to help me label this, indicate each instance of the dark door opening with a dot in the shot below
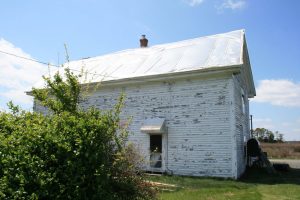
(156, 151)
(155, 143)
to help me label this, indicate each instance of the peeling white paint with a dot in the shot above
(202, 117)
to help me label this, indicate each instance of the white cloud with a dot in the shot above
(297, 130)
(233, 4)
(292, 135)
(286, 124)
(17, 96)
(1, 109)
(17, 75)
(278, 92)
(263, 123)
(194, 2)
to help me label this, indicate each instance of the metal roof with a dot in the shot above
(154, 125)
(215, 51)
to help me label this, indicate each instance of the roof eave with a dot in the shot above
(207, 72)
(249, 77)
(199, 73)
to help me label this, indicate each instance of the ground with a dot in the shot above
(256, 184)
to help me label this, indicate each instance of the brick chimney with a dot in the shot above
(143, 41)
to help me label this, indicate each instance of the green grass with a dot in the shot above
(256, 185)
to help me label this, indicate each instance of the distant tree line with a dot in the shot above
(265, 135)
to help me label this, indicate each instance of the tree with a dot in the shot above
(60, 96)
(265, 135)
(278, 136)
(68, 154)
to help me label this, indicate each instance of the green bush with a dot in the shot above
(69, 153)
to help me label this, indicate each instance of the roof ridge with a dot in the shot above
(159, 46)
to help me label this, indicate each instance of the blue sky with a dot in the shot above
(39, 29)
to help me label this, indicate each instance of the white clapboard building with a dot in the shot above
(187, 100)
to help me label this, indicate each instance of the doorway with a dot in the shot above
(156, 151)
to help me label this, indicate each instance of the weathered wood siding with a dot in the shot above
(197, 117)
(198, 113)
(37, 107)
(241, 125)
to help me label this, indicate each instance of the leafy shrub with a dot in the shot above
(68, 154)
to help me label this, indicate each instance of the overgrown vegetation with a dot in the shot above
(68, 154)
